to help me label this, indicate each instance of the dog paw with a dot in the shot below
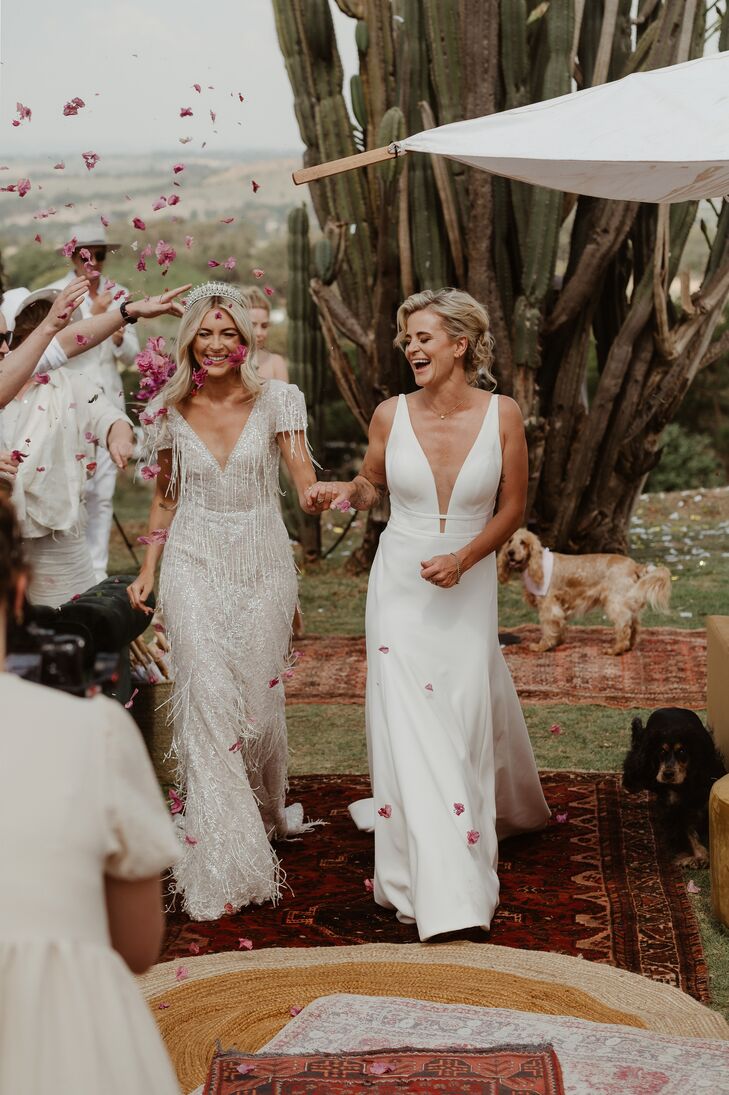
(693, 861)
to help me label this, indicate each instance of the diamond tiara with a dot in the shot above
(215, 289)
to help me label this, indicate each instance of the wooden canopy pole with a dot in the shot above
(335, 167)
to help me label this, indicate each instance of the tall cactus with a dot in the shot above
(307, 356)
(422, 224)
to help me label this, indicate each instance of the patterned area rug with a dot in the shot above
(667, 668)
(594, 884)
(503, 1070)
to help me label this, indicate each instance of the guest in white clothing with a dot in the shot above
(451, 764)
(51, 431)
(85, 838)
(101, 365)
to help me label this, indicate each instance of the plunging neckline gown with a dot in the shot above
(451, 763)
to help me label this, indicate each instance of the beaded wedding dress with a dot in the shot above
(451, 763)
(228, 591)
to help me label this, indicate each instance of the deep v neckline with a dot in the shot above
(443, 517)
(222, 468)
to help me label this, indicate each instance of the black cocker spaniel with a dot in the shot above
(675, 758)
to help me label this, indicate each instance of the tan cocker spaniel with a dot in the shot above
(561, 586)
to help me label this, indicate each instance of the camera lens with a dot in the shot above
(62, 663)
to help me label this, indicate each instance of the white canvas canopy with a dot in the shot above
(658, 136)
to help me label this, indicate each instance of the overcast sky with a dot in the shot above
(134, 62)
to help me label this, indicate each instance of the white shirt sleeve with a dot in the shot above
(53, 358)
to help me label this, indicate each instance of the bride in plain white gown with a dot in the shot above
(451, 763)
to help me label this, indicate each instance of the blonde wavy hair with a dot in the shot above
(254, 298)
(181, 383)
(462, 317)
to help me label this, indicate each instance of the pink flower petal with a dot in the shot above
(165, 253)
(91, 467)
(43, 378)
(561, 818)
(459, 808)
(37, 238)
(212, 116)
(198, 88)
(23, 187)
(245, 1070)
(212, 263)
(160, 203)
(189, 240)
(245, 944)
(176, 806)
(227, 220)
(236, 746)
(384, 649)
(555, 729)
(255, 186)
(228, 908)
(178, 167)
(150, 471)
(137, 222)
(90, 159)
(182, 973)
(369, 885)
(73, 106)
(59, 166)
(186, 112)
(194, 948)
(81, 340)
(162, 1006)
(343, 505)
(268, 290)
(380, 1068)
(130, 701)
(385, 811)
(258, 273)
(229, 263)
(691, 887)
(473, 836)
(273, 682)
(429, 687)
(191, 840)
(174, 199)
(156, 536)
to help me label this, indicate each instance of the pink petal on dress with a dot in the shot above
(384, 649)
(191, 840)
(176, 806)
(273, 682)
(473, 836)
(429, 687)
(459, 808)
(385, 811)
(150, 471)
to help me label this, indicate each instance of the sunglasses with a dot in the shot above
(98, 253)
(7, 338)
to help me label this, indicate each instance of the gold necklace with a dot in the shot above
(455, 408)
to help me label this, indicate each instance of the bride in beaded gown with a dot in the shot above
(451, 764)
(228, 591)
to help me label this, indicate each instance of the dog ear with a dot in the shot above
(503, 570)
(535, 570)
(635, 777)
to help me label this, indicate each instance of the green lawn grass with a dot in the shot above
(689, 532)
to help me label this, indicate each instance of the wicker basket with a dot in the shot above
(151, 711)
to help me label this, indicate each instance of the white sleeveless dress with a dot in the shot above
(451, 763)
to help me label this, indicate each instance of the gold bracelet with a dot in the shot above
(458, 564)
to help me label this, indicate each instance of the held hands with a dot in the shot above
(164, 304)
(139, 591)
(8, 466)
(324, 496)
(121, 443)
(441, 570)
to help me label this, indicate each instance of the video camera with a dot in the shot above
(79, 648)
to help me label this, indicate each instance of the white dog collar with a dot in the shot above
(547, 568)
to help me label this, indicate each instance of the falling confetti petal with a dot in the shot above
(385, 811)
(90, 159)
(73, 106)
(258, 273)
(429, 688)
(384, 649)
(130, 701)
(473, 836)
(268, 290)
(178, 167)
(256, 186)
(185, 112)
(138, 223)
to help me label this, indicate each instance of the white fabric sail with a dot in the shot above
(658, 136)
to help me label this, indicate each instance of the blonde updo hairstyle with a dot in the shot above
(181, 384)
(462, 317)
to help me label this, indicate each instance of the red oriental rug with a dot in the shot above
(503, 1070)
(595, 883)
(667, 668)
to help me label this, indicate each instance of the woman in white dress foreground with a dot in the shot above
(227, 592)
(451, 764)
(86, 835)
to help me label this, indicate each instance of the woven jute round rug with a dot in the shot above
(244, 999)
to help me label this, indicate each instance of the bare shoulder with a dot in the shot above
(510, 417)
(384, 413)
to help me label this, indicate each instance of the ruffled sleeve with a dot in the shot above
(141, 839)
